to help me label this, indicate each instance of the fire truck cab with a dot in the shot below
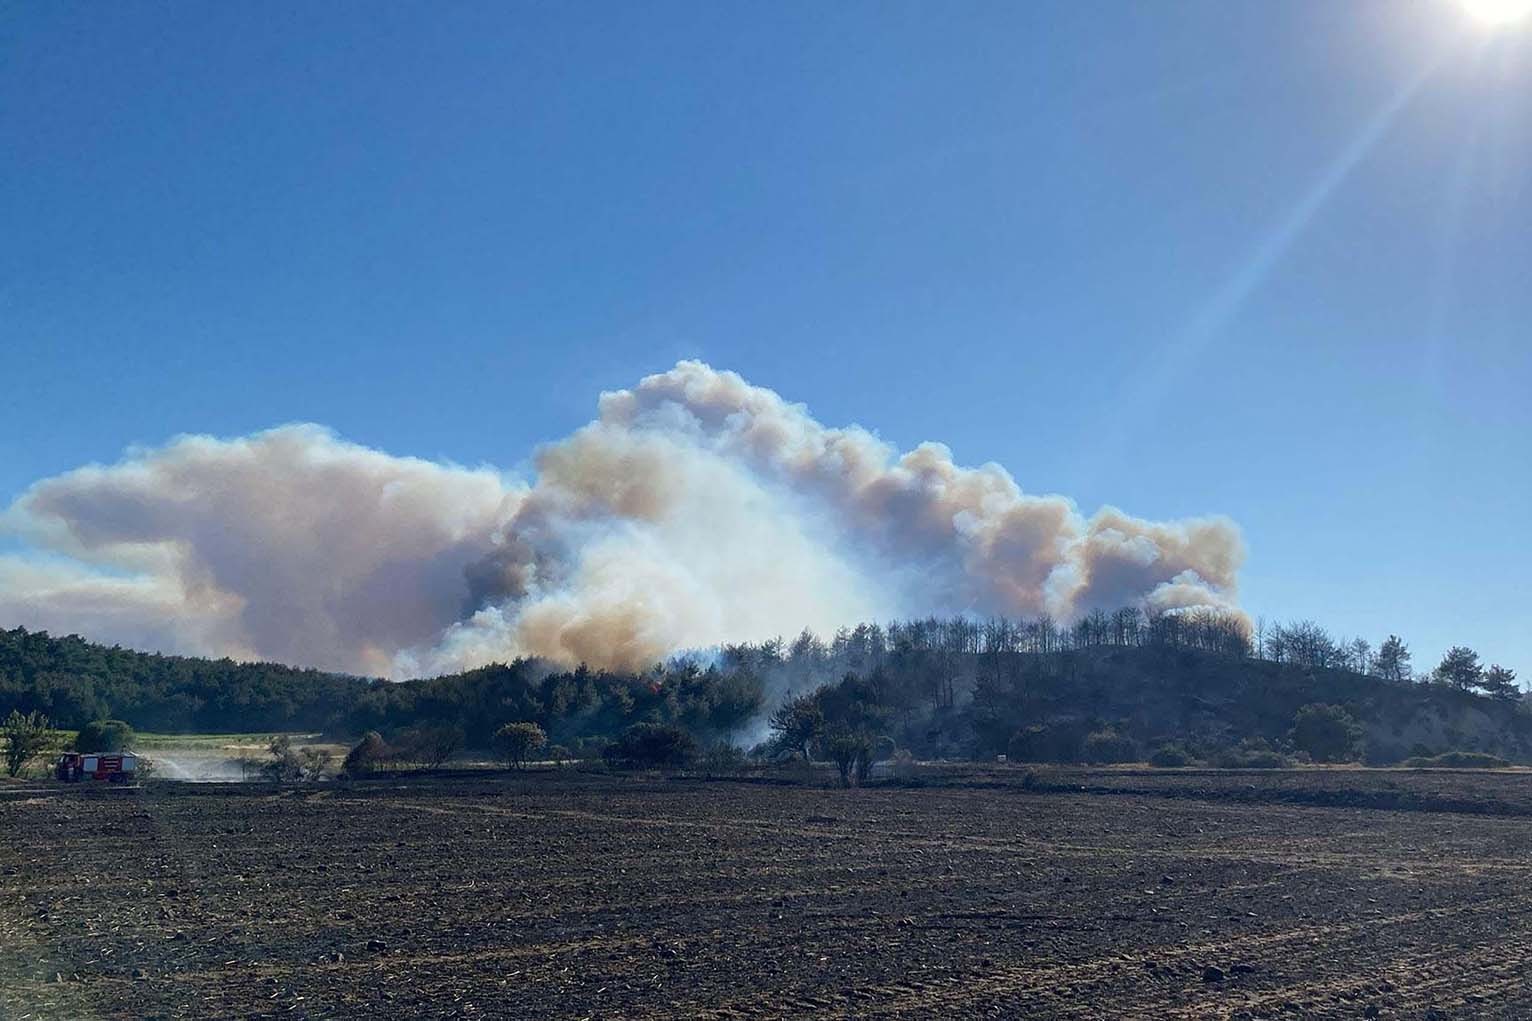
(113, 767)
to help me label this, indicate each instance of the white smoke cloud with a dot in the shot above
(290, 545)
(696, 509)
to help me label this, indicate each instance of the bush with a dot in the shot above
(294, 765)
(1251, 753)
(1456, 760)
(284, 766)
(796, 723)
(425, 746)
(103, 736)
(517, 741)
(649, 745)
(1108, 746)
(722, 759)
(316, 762)
(368, 754)
(851, 751)
(1171, 756)
(1327, 732)
(25, 736)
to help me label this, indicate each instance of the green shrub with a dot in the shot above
(25, 738)
(103, 736)
(369, 752)
(1109, 746)
(722, 759)
(850, 750)
(294, 765)
(1251, 753)
(516, 742)
(1327, 732)
(1171, 756)
(648, 745)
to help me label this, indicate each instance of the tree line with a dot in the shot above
(954, 687)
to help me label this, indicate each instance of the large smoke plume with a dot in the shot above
(696, 509)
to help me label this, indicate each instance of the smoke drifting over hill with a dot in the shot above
(695, 509)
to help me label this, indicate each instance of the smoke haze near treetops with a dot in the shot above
(695, 509)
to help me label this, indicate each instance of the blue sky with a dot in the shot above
(1270, 260)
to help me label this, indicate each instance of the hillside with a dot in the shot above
(73, 681)
(913, 684)
(1160, 694)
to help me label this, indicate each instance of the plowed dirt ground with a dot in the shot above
(1000, 893)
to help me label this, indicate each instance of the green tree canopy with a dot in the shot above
(1327, 732)
(25, 737)
(652, 745)
(1393, 660)
(517, 741)
(796, 723)
(1460, 668)
(1500, 682)
(104, 736)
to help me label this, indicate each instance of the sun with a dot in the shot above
(1498, 12)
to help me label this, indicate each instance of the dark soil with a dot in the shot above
(987, 893)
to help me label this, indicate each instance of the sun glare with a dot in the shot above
(1498, 12)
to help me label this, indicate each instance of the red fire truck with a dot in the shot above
(113, 767)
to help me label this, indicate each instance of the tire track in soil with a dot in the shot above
(1346, 962)
(896, 999)
(224, 978)
(947, 996)
(1403, 983)
(1010, 845)
(1399, 979)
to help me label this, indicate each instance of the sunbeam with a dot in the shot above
(1448, 243)
(1171, 362)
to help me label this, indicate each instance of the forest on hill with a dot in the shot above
(1111, 687)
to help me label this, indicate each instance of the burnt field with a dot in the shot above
(999, 893)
